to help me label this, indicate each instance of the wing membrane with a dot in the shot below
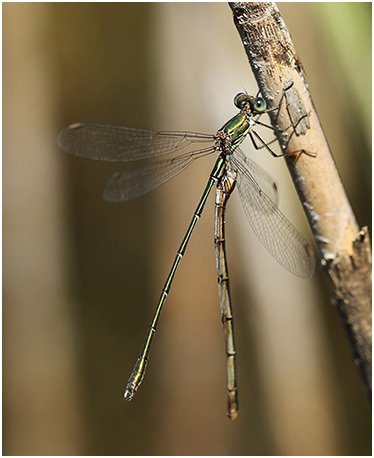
(263, 180)
(271, 227)
(136, 181)
(115, 143)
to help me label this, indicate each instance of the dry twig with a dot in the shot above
(343, 247)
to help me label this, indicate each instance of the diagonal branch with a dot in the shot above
(343, 247)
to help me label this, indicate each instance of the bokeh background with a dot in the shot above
(81, 277)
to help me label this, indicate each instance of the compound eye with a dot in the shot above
(259, 105)
(241, 100)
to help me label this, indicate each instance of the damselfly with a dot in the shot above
(257, 192)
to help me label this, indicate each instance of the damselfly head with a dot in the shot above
(256, 105)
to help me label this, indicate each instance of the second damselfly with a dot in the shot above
(232, 168)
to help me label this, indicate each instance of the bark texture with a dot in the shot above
(343, 247)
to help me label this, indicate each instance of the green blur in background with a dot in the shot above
(81, 277)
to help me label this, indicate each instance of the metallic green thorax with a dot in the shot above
(238, 128)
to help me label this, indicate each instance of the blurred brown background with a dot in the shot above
(82, 277)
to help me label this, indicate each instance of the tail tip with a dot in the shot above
(128, 395)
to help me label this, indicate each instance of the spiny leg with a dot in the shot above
(224, 188)
(266, 145)
(281, 131)
(277, 129)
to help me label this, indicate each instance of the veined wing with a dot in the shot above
(271, 227)
(115, 143)
(258, 174)
(138, 180)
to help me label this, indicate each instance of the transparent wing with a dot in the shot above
(263, 180)
(114, 143)
(136, 181)
(269, 224)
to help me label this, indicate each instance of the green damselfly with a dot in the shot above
(232, 168)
